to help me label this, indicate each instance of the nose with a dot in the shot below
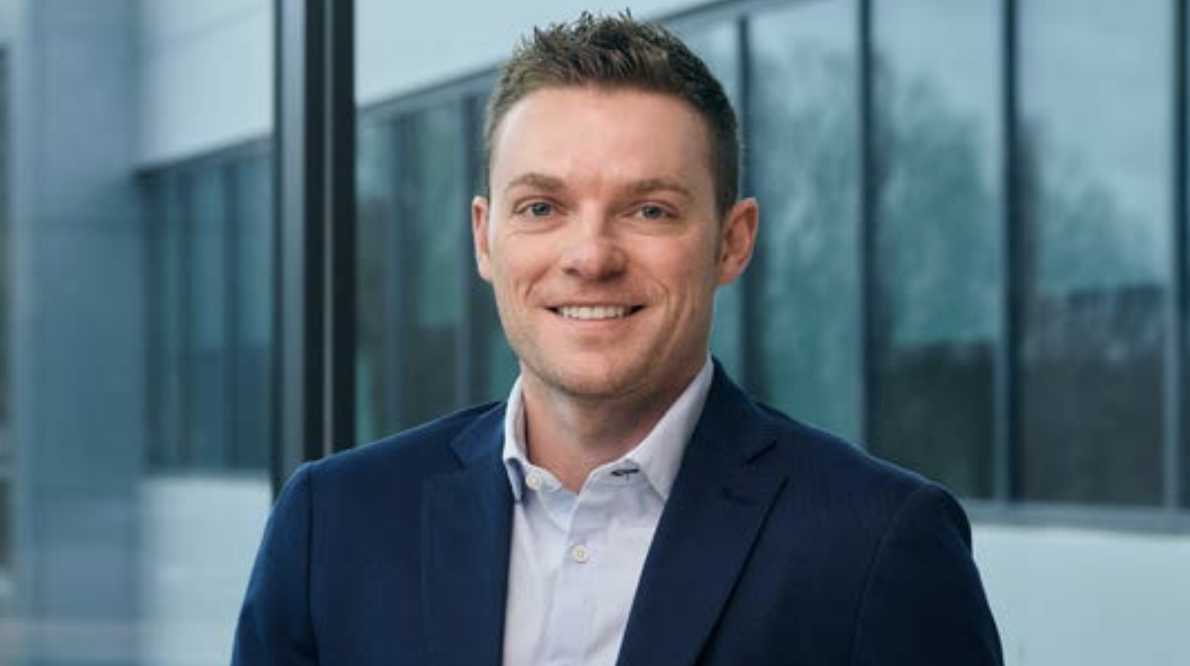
(594, 252)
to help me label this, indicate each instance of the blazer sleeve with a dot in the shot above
(274, 626)
(924, 603)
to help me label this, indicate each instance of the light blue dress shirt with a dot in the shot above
(576, 558)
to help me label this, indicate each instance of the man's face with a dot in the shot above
(602, 241)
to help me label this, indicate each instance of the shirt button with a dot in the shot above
(580, 554)
(533, 480)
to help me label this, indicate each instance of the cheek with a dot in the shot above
(515, 273)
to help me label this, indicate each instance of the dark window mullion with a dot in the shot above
(314, 131)
(869, 185)
(1006, 471)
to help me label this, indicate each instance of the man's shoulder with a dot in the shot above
(430, 448)
(834, 467)
(796, 449)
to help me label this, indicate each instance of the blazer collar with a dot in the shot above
(720, 501)
(466, 526)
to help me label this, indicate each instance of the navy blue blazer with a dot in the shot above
(779, 545)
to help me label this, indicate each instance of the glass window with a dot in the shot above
(210, 309)
(1095, 158)
(250, 361)
(415, 255)
(376, 283)
(937, 246)
(804, 146)
(206, 281)
(165, 265)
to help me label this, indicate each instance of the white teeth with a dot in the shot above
(593, 312)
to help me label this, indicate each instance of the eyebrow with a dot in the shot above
(536, 180)
(551, 184)
(661, 185)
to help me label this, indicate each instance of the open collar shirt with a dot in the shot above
(576, 557)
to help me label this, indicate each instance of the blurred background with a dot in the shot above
(234, 234)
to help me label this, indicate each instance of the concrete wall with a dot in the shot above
(77, 333)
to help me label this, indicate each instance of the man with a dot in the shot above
(628, 504)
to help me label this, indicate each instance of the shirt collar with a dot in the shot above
(658, 456)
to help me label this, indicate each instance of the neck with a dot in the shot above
(571, 435)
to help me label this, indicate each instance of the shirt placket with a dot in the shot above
(569, 629)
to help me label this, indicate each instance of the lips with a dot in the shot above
(595, 312)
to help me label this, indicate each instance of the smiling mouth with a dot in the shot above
(595, 312)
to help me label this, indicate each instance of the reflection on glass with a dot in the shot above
(718, 45)
(376, 283)
(252, 314)
(805, 156)
(437, 252)
(937, 241)
(1096, 155)
(413, 246)
(210, 294)
(206, 283)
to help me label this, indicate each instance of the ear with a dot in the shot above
(738, 239)
(480, 221)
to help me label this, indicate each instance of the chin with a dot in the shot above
(592, 381)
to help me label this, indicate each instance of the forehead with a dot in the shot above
(607, 134)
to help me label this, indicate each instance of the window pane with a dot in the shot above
(166, 380)
(805, 152)
(376, 279)
(252, 307)
(205, 285)
(1096, 144)
(436, 250)
(414, 242)
(938, 250)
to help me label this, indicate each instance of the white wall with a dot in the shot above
(199, 537)
(1077, 597)
(206, 75)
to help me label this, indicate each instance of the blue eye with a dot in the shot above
(539, 209)
(653, 212)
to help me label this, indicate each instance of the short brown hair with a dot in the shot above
(621, 52)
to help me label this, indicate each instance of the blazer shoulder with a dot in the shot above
(809, 447)
(866, 493)
(431, 448)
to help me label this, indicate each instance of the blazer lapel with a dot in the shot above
(718, 504)
(466, 525)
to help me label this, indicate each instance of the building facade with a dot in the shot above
(973, 262)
